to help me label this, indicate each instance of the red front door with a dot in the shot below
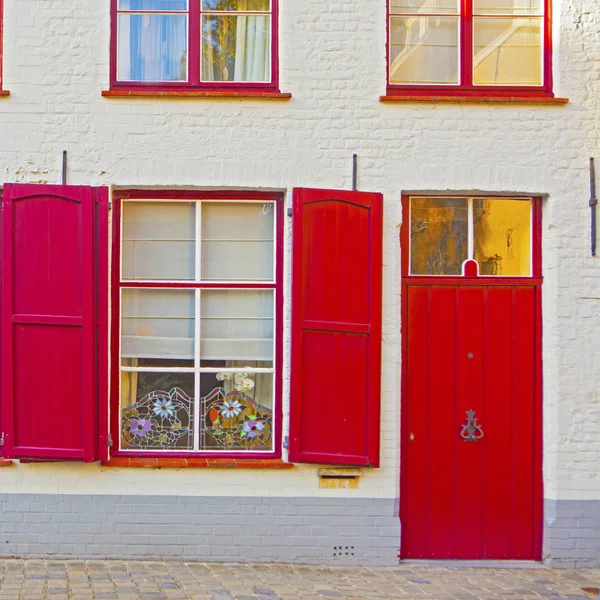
(471, 469)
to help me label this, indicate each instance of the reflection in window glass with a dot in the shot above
(236, 48)
(423, 50)
(237, 5)
(160, 5)
(502, 236)
(507, 7)
(507, 51)
(439, 235)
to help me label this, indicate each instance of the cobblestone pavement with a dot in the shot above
(129, 580)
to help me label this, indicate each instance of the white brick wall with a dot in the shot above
(333, 61)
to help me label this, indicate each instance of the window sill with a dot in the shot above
(4, 93)
(483, 99)
(202, 463)
(194, 94)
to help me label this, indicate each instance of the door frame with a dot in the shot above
(536, 279)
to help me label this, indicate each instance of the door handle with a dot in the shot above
(471, 431)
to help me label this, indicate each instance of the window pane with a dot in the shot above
(439, 235)
(508, 7)
(236, 325)
(502, 236)
(163, 5)
(159, 240)
(157, 411)
(424, 6)
(157, 363)
(248, 5)
(152, 47)
(157, 324)
(236, 48)
(237, 241)
(507, 51)
(237, 411)
(424, 50)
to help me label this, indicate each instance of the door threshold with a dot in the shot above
(473, 564)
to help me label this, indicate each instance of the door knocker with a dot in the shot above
(471, 431)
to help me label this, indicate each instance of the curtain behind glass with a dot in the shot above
(236, 47)
(152, 47)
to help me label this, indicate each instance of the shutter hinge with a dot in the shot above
(110, 206)
(110, 442)
(290, 211)
(2, 439)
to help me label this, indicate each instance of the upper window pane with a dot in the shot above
(161, 5)
(423, 6)
(424, 50)
(502, 236)
(159, 240)
(439, 235)
(152, 47)
(507, 51)
(237, 241)
(236, 48)
(239, 5)
(508, 7)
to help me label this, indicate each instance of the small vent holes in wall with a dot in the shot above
(343, 551)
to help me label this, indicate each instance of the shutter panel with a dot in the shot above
(102, 337)
(336, 327)
(49, 347)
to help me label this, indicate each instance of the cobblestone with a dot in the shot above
(129, 580)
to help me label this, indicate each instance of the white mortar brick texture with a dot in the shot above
(332, 58)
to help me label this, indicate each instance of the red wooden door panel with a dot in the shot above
(472, 347)
(49, 317)
(336, 327)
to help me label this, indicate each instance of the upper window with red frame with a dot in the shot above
(198, 293)
(225, 44)
(473, 46)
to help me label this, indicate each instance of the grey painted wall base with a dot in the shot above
(572, 533)
(288, 530)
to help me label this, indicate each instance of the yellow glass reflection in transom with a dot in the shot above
(502, 236)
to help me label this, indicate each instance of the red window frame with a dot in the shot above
(117, 284)
(465, 87)
(1, 42)
(194, 45)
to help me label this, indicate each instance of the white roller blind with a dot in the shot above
(157, 324)
(159, 240)
(236, 325)
(237, 241)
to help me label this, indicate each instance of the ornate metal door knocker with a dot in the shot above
(471, 431)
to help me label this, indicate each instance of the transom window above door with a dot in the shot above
(496, 232)
(228, 44)
(469, 46)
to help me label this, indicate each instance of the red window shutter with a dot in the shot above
(336, 327)
(51, 352)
